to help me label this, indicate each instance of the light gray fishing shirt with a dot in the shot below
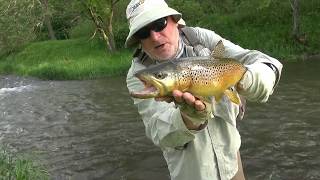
(210, 153)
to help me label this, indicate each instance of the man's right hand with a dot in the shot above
(194, 112)
(186, 97)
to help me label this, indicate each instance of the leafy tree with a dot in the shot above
(101, 13)
(18, 21)
(47, 18)
(58, 17)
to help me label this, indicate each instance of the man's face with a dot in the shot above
(162, 45)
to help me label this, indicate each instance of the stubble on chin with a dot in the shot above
(162, 58)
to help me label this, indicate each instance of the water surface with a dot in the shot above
(91, 130)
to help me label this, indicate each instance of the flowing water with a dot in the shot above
(91, 130)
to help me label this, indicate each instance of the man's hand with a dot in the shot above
(185, 97)
(193, 110)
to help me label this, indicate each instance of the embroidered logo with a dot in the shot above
(135, 6)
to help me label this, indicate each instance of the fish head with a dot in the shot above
(159, 81)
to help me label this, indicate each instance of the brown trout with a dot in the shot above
(207, 76)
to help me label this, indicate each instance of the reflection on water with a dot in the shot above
(90, 129)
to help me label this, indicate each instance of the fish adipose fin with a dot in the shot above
(218, 50)
(232, 96)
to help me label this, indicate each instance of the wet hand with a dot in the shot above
(180, 97)
(188, 98)
(194, 112)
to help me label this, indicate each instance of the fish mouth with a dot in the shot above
(149, 90)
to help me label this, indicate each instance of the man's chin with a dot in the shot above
(166, 57)
(163, 55)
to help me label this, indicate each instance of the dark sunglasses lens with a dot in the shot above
(143, 33)
(156, 26)
(159, 24)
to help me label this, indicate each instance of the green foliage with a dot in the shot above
(192, 11)
(120, 34)
(63, 17)
(102, 7)
(120, 25)
(263, 25)
(17, 22)
(84, 28)
(19, 168)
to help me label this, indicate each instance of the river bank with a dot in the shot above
(77, 59)
(72, 59)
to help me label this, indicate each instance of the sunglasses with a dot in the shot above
(156, 26)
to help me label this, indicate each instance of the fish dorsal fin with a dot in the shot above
(218, 50)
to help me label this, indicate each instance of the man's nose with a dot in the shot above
(154, 35)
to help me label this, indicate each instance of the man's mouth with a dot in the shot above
(159, 46)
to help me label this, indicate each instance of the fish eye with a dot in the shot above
(160, 75)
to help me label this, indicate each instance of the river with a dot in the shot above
(91, 130)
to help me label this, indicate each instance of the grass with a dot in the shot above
(19, 168)
(267, 29)
(66, 60)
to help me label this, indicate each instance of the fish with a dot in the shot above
(202, 76)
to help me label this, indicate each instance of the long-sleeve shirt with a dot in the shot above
(210, 153)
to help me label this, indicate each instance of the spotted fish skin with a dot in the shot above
(207, 76)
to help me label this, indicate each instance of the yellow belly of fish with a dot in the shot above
(216, 90)
(206, 90)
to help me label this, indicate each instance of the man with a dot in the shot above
(199, 140)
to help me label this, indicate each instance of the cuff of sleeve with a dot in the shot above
(246, 82)
(257, 83)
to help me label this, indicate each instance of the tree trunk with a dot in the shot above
(47, 20)
(51, 33)
(295, 17)
(296, 29)
(105, 30)
(109, 28)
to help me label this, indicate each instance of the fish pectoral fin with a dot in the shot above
(217, 97)
(232, 96)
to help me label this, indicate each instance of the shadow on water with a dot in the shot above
(91, 130)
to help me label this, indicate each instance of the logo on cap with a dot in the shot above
(135, 6)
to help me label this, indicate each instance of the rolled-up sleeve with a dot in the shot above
(162, 120)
